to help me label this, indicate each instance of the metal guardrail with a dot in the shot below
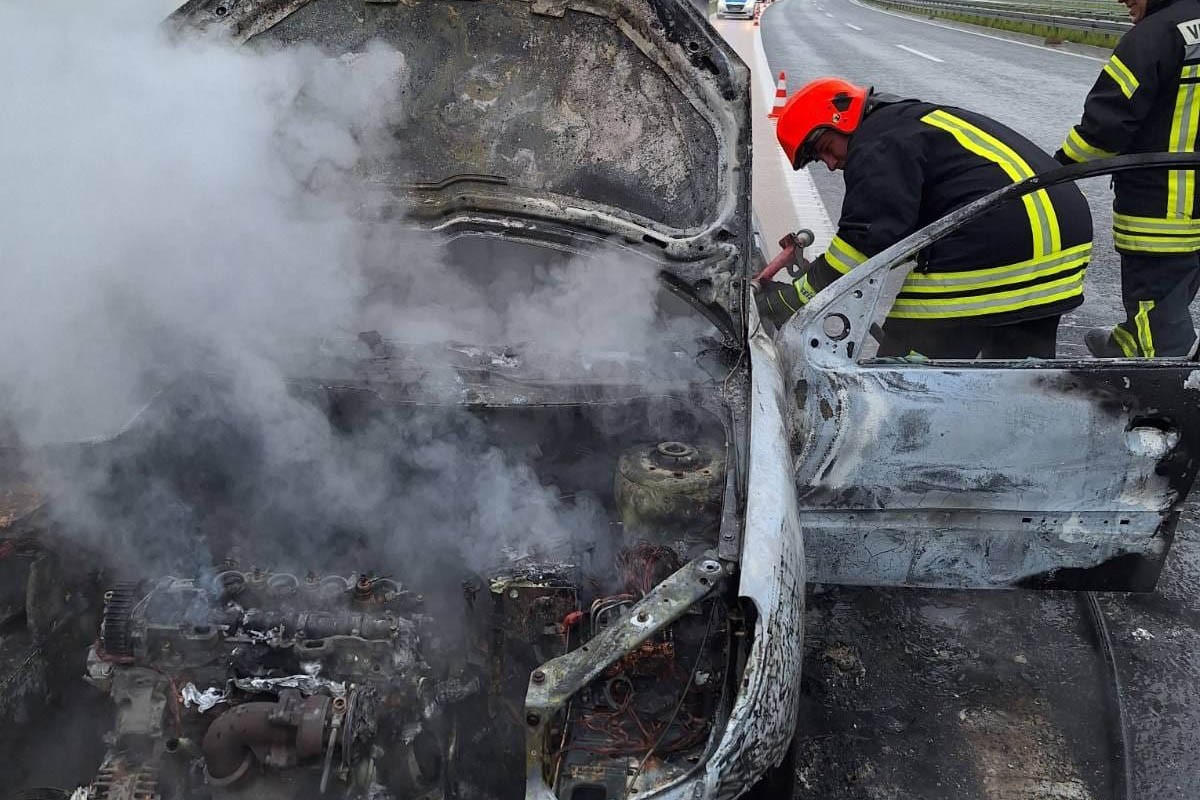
(998, 11)
(1075, 9)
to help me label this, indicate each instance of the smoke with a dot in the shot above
(176, 207)
(168, 201)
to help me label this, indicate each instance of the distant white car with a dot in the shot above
(736, 8)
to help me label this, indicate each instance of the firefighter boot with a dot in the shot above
(1157, 292)
(1103, 343)
(1100, 343)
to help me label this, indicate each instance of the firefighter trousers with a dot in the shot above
(1157, 291)
(1035, 338)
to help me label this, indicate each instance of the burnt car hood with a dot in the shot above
(623, 118)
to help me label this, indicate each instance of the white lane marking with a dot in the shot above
(829, 15)
(916, 52)
(977, 33)
(853, 27)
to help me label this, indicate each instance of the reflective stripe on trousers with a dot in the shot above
(1156, 292)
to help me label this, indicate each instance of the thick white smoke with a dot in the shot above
(167, 201)
(173, 206)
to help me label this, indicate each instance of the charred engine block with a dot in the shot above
(256, 684)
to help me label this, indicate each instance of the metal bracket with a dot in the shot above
(549, 8)
(554, 683)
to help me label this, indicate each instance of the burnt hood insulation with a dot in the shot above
(625, 118)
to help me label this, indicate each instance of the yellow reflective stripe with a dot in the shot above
(1078, 149)
(998, 303)
(1043, 220)
(1190, 71)
(804, 290)
(783, 299)
(997, 276)
(1127, 82)
(1054, 267)
(1125, 341)
(843, 256)
(1142, 319)
(1179, 227)
(1181, 184)
(1054, 242)
(1157, 244)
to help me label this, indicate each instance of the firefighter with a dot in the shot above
(1146, 100)
(994, 288)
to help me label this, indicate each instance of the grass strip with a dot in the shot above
(1052, 34)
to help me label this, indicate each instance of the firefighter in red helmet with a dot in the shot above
(994, 288)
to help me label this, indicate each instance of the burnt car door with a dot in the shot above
(976, 474)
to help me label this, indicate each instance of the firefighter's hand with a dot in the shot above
(776, 302)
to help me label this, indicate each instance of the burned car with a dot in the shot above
(451, 568)
(471, 570)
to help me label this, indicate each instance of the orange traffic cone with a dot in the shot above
(757, 13)
(780, 96)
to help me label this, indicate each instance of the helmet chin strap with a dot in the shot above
(878, 99)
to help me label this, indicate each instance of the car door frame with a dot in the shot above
(1065, 473)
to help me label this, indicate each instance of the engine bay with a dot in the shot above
(404, 455)
(405, 666)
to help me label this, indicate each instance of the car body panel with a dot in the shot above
(978, 474)
(625, 117)
(773, 578)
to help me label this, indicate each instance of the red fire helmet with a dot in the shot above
(826, 103)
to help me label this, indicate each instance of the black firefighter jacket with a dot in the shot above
(911, 163)
(1146, 100)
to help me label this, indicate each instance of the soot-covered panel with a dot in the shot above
(568, 105)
